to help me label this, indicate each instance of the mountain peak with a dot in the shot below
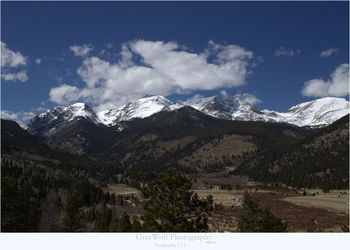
(60, 115)
(79, 105)
(157, 98)
(140, 108)
(81, 110)
(225, 107)
(319, 112)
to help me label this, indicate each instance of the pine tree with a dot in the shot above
(256, 219)
(72, 216)
(20, 211)
(112, 201)
(114, 226)
(136, 225)
(125, 223)
(172, 207)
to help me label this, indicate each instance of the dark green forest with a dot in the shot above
(318, 161)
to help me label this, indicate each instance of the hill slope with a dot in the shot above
(192, 141)
(321, 160)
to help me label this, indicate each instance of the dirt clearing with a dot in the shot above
(121, 189)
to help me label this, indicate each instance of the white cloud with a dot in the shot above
(337, 85)
(223, 92)
(21, 117)
(64, 94)
(20, 76)
(151, 68)
(82, 50)
(328, 52)
(38, 61)
(11, 60)
(249, 98)
(286, 52)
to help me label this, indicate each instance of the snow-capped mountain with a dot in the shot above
(319, 112)
(138, 109)
(229, 108)
(316, 113)
(49, 121)
(70, 113)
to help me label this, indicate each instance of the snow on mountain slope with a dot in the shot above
(49, 121)
(319, 112)
(138, 109)
(70, 113)
(229, 107)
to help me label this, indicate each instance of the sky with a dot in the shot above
(271, 54)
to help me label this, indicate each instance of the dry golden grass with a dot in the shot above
(121, 189)
(224, 197)
(219, 149)
(333, 200)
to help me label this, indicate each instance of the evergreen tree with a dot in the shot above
(172, 207)
(20, 211)
(114, 226)
(112, 201)
(125, 223)
(256, 219)
(136, 225)
(72, 216)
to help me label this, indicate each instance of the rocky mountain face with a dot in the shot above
(74, 127)
(56, 119)
(229, 108)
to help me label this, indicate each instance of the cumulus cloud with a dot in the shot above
(286, 52)
(10, 60)
(337, 85)
(81, 50)
(249, 98)
(21, 117)
(328, 52)
(38, 61)
(164, 68)
(64, 94)
(18, 76)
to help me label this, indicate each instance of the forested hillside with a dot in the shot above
(320, 160)
(43, 190)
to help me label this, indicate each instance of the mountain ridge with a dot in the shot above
(317, 113)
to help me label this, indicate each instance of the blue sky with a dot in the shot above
(268, 51)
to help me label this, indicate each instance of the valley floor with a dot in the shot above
(300, 218)
(335, 200)
(320, 213)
